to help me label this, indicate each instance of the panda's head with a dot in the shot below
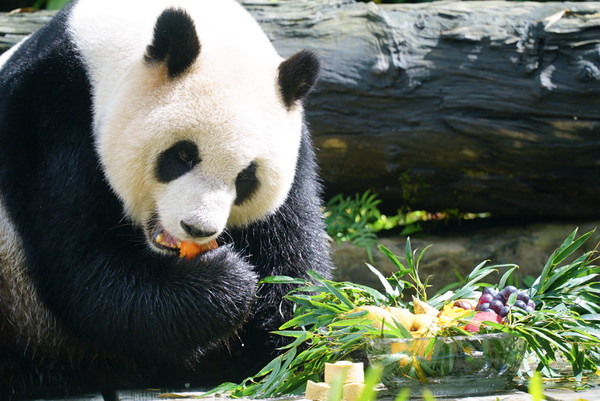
(197, 119)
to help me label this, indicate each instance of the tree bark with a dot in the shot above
(477, 106)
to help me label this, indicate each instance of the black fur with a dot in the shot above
(175, 41)
(246, 183)
(176, 161)
(129, 317)
(297, 76)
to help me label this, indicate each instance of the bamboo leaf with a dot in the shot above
(391, 257)
(282, 280)
(566, 251)
(372, 377)
(386, 285)
(409, 256)
(505, 276)
(299, 340)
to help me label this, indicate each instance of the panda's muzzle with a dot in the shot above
(195, 232)
(168, 243)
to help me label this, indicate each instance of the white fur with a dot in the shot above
(228, 103)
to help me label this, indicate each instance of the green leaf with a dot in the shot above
(590, 317)
(348, 322)
(403, 395)
(299, 340)
(302, 320)
(392, 258)
(283, 280)
(577, 281)
(372, 377)
(536, 388)
(377, 296)
(339, 295)
(336, 388)
(409, 256)
(566, 249)
(505, 276)
(386, 285)
(317, 305)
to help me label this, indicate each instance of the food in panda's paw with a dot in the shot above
(190, 250)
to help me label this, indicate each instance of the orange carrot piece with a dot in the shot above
(190, 250)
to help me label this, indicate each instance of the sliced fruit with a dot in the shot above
(350, 371)
(423, 308)
(474, 325)
(424, 326)
(403, 316)
(378, 316)
(465, 304)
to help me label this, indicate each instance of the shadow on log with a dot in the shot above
(478, 106)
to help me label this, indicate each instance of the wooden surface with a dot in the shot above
(480, 106)
(551, 395)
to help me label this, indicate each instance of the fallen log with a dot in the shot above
(477, 106)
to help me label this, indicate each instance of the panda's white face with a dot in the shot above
(190, 150)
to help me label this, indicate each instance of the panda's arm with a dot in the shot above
(140, 307)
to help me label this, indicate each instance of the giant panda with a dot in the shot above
(126, 128)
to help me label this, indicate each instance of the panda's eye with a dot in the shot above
(176, 161)
(246, 184)
(185, 157)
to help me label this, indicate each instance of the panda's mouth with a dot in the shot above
(166, 242)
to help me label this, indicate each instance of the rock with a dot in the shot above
(527, 245)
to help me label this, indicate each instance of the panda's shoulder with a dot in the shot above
(39, 51)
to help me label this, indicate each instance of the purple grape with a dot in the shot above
(499, 297)
(522, 296)
(504, 311)
(485, 305)
(496, 305)
(520, 304)
(529, 309)
(508, 291)
(531, 304)
(486, 298)
(485, 310)
(489, 290)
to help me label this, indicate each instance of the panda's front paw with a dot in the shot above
(222, 285)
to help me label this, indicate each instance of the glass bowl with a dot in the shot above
(448, 366)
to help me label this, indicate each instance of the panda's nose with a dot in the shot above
(195, 231)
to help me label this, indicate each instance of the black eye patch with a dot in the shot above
(246, 184)
(176, 161)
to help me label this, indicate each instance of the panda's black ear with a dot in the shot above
(297, 76)
(175, 41)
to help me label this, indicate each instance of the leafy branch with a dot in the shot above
(330, 320)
